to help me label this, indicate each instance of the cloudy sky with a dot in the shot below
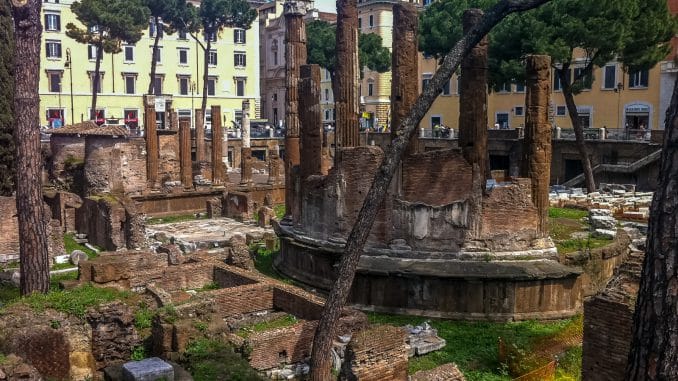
(326, 5)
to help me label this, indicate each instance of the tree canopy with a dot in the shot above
(7, 171)
(321, 42)
(107, 24)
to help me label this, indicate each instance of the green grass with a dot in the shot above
(281, 322)
(170, 219)
(473, 346)
(279, 211)
(10, 293)
(209, 286)
(70, 245)
(569, 213)
(73, 302)
(214, 360)
(569, 365)
(581, 244)
(263, 261)
(143, 317)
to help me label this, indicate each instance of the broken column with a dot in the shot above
(199, 136)
(246, 151)
(473, 118)
(185, 153)
(310, 121)
(404, 87)
(536, 161)
(275, 174)
(295, 56)
(151, 145)
(346, 96)
(217, 148)
(174, 120)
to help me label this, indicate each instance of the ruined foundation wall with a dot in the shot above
(103, 220)
(436, 178)
(169, 162)
(65, 149)
(377, 354)
(9, 230)
(432, 228)
(285, 345)
(115, 166)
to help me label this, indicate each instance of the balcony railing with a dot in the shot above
(623, 134)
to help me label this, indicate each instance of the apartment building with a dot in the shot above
(67, 73)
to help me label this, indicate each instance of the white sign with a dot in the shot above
(159, 104)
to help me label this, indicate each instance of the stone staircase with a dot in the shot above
(617, 168)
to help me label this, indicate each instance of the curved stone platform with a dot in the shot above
(470, 289)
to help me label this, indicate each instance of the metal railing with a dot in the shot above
(623, 134)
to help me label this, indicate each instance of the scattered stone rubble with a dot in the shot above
(602, 223)
(423, 339)
(622, 200)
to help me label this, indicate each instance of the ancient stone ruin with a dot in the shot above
(449, 240)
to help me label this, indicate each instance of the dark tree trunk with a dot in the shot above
(156, 41)
(205, 76)
(321, 362)
(578, 129)
(34, 259)
(654, 347)
(96, 81)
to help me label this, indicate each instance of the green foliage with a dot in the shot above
(168, 313)
(55, 324)
(214, 360)
(281, 322)
(321, 42)
(569, 365)
(263, 262)
(200, 326)
(279, 211)
(581, 244)
(7, 170)
(139, 353)
(569, 213)
(70, 245)
(73, 302)
(440, 24)
(143, 317)
(208, 287)
(474, 346)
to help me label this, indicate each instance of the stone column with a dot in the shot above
(536, 160)
(246, 150)
(185, 153)
(217, 148)
(346, 85)
(405, 82)
(199, 136)
(295, 56)
(152, 153)
(274, 172)
(175, 120)
(311, 122)
(473, 120)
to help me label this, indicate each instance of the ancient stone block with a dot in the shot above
(152, 369)
(239, 253)
(113, 333)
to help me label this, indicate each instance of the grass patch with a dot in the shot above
(171, 219)
(73, 302)
(281, 322)
(569, 213)
(263, 261)
(143, 318)
(209, 286)
(214, 360)
(279, 211)
(474, 346)
(569, 365)
(10, 293)
(581, 244)
(70, 244)
(63, 266)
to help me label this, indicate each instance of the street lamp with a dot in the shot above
(618, 90)
(69, 65)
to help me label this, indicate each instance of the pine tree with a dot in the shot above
(7, 170)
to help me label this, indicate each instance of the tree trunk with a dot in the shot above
(578, 130)
(654, 347)
(96, 82)
(205, 76)
(156, 41)
(321, 361)
(34, 259)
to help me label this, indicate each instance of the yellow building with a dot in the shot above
(67, 69)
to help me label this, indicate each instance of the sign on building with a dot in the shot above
(159, 104)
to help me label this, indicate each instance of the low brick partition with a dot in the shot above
(446, 372)
(376, 354)
(227, 302)
(281, 346)
(297, 302)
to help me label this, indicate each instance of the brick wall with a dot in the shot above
(226, 279)
(436, 178)
(297, 302)
(284, 345)
(65, 148)
(607, 339)
(102, 219)
(375, 354)
(168, 165)
(9, 229)
(230, 301)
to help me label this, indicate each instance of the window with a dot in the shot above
(53, 49)
(157, 84)
(426, 78)
(275, 97)
(502, 119)
(91, 52)
(519, 110)
(427, 2)
(157, 54)
(239, 36)
(585, 78)
(503, 87)
(129, 54)
(239, 59)
(210, 36)
(371, 21)
(131, 117)
(327, 74)
(561, 111)
(446, 88)
(94, 29)
(99, 115)
(212, 58)
(183, 35)
(52, 22)
(130, 83)
(610, 74)
(275, 58)
(557, 85)
(211, 86)
(327, 94)
(184, 85)
(92, 78)
(638, 78)
(360, 22)
(54, 79)
(183, 56)
(55, 117)
(520, 87)
(152, 28)
(584, 116)
(240, 87)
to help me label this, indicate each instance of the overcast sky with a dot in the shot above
(326, 5)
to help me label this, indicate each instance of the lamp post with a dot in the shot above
(618, 90)
(69, 65)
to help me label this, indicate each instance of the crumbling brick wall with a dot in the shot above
(281, 346)
(9, 230)
(436, 178)
(427, 227)
(66, 150)
(375, 354)
(230, 301)
(102, 218)
(297, 302)
(114, 165)
(169, 166)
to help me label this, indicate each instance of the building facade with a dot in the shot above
(67, 70)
